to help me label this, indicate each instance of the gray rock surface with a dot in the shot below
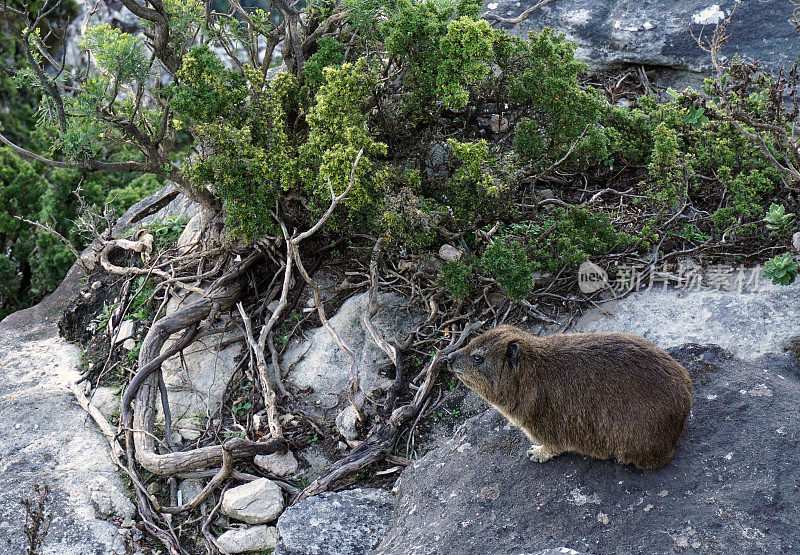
(657, 32)
(256, 502)
(189, 489)
(345, 523)
(106, 401)
(196, 381)
(325, 368)
(45, 438)
(277, 464)
(747, 324)
(109, 500)
(252, 538)
(733, 486)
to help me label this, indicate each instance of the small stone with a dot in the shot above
(129, 344)
(97, 285)
(189, 434)
(341, 446)
(648, 508)
(796, 241)
(273, 306)
(603, 518)
(347, 423)
(450, 253)
(252, 538)
(546, 193)
(663, 493)
(126, 330)
(499, 123)
(682, 542)
(280, 465)
(128, 523)
(108, 499)
(105, 401)
(257, 502)
(311, 303)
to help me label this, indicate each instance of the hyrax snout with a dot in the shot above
(600, 394)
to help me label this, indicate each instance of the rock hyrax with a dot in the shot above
(604, 395)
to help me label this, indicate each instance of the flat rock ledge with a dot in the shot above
(348, 522)
(733, 486)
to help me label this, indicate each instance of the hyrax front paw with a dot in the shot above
(538, 453)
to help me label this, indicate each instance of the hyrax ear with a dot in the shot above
(512, 353)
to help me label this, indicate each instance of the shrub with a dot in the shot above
(508, 263)
(457, 278)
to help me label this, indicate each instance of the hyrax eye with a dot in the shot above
(477, 359)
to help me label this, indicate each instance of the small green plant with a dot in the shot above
(781, 269)
(167, 232)
(100, 321)
(693, 233)
(240, 408)
(777, 220)
(695, 116)
(456, 277)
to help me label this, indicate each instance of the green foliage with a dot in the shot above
(120, 54)
(241, 408)
(167, 232)
(337, 132)
(330, 52)
(669, 168)
(17, 101)
(542, 74)
(778, 221)
(410, 221)
(141, 306)
(446, 48)
(207, 91)
(508, 263)
(125, 196)
(20, 191)
(457, 278)
(781, 269)
(564, 238)
(474, 191)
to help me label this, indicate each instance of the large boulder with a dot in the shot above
(749, 324)
(319, 364)
(197, 378)
(348, 522)
(659, 32)
(733, 486)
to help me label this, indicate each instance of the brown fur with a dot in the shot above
(604, 395)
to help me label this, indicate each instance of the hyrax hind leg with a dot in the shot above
(541, 453)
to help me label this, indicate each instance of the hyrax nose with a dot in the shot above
(451, 358)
